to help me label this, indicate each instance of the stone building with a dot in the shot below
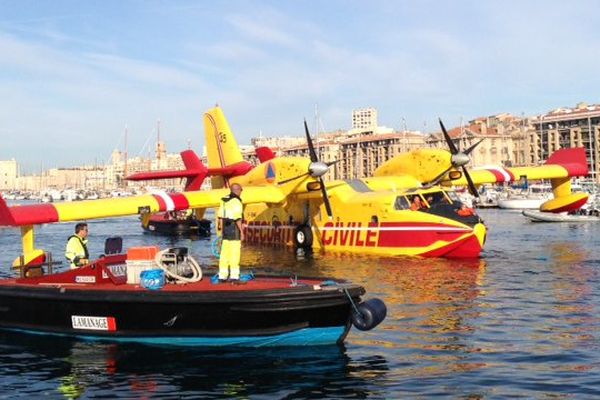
(9, 171)
(568, 127)
(498, 135)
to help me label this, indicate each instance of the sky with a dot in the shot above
(74, 75)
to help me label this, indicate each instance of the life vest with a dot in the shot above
(230, 211)
(465, 212)
(76, 250)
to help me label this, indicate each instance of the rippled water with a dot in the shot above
(522, 321)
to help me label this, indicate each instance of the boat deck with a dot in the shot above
(204, 285)
(110, 273)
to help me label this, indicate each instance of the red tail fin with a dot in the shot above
(574, 160)
(264, 154)
(6, 218)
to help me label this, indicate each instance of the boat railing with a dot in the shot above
(36, 269)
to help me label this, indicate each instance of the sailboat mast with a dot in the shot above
(125, 161)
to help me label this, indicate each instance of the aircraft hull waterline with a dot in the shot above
(266, 311)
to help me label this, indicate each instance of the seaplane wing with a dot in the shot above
(564, 163)
(33, 214)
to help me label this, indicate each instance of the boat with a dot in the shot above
(111, 300)
(541, 216)
(174, 224)
(531, 198)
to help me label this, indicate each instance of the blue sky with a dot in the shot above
(73, 74)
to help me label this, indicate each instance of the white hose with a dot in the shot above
(196, 270)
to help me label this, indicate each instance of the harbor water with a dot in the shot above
(522, 321)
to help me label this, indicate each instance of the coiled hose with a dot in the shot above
(196, 269)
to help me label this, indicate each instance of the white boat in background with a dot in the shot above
(529, 199)
(541, 216)
(488, 198)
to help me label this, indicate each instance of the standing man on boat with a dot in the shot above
(77, 251)
(229, 223)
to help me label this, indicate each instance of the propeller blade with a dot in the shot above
(311, 148)
(472, 188)
(325, 198)
(472, 147)
(451, 145)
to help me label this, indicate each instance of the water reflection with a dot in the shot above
(80, 367)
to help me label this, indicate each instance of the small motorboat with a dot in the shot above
(163, 299)
(174, 224)
(541, 216)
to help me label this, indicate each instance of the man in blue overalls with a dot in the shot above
(230, 216)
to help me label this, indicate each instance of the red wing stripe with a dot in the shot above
(34, 214)
(162, 206)
(501, 174)
(181, 202)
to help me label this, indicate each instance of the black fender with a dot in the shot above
(370, 314)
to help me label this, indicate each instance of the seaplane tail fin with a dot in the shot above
(6, 217)
(221, 145)
(264, 154)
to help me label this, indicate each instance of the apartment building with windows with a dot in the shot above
(568, 127)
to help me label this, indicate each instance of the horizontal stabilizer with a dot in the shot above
(194, 172)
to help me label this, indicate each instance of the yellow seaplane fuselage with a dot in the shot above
(370, 216)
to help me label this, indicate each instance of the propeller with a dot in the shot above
(316, 169)
(460, 159)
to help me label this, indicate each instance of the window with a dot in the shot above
(401, 203)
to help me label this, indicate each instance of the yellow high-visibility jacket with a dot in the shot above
(76, 250)
(230, 211)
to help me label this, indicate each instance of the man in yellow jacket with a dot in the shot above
(77, 251)
(229, 223)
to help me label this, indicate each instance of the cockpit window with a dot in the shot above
(453, 196)
(435, 198)
(401, 203)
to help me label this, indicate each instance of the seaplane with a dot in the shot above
(287, 201)
(372, 215)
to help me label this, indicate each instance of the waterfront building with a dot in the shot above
(499, 134)
(364, 119)
(361, 154)
(357, 154)
(9, 171)
(568, 127)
